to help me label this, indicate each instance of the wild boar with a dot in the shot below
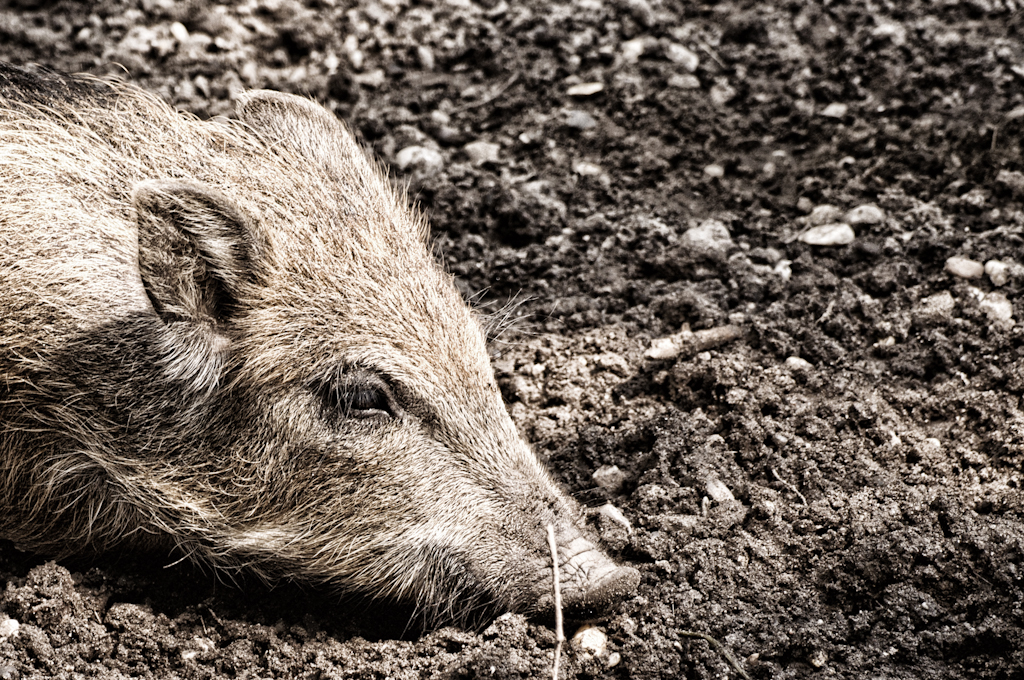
(229, 340)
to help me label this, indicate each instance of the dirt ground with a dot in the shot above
(730, 228)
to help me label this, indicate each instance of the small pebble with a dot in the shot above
(633, 49)
(587, 169)
(718, 491)
(372, 79)
(998, 309)
(481, 152)
(682, 56)
(420, 158)
(798, 364)
(641, 11)
(804, 204)
(824, 214)
(834, 110)
(998, 272)
(691, 343)
(179, 32)
(714, 170)
(581, 120)
(891, 30)
(709, 235)
(8, 628)
(426, 57)
(613, 513)
(684, 81)
(614, 659)
(1013, 179)
(609, 477)
(835, 234)
(868, 213)
(584, 89)
(590, 640)
(965, 268)
(936, 307)
(722, 92)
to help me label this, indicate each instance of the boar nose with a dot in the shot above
(609, 586)
(590, 581)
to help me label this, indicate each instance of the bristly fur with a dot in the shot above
(505, 319)
(172, 291)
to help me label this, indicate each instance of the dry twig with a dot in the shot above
(559, 632)
(720, 648)
(490, 97)
(788, 485)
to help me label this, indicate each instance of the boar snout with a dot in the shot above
(590, 581)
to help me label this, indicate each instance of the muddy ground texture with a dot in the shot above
(730, 226)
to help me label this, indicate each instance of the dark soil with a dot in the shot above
(836, 492)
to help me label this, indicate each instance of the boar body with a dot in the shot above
(228, 339)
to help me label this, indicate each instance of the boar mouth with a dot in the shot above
(452, 591)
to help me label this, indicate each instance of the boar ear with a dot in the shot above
(196, 249)
(300, 124)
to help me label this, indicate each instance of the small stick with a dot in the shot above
(489, 98)
(559, 632)
(788, 485)
(720, 648)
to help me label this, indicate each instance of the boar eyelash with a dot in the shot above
(357, 393)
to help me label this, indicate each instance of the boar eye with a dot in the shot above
(357, 393)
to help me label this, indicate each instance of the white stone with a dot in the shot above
(998, 272)
(590, 640)
(869, 213)
(708, 235)
(936, 307)
(998, 309)
(633, 49)
(668, 347)
(609, 477)
(581, 120)
(587, 169)
(9, 628)
(718, 491)
(584, 89)
(426, 57)
(798, 364)
(721, 92)
(1013, 179)
(835, 110)
(965, 268)
(420, 158)
(834, 234)
(714, 170)
(684, 81)
(481, 152)
(613, 513)
(891, 30)
(179, 32)
(682, 56)
(823, 214)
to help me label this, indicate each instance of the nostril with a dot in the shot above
(604, 590)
